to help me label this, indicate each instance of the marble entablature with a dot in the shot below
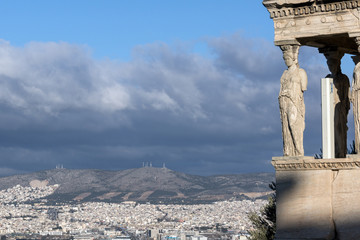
(316, 23)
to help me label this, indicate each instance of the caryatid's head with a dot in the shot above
(357, 41)
(290, 54)
(333, 59)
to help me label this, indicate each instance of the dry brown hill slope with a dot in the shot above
(144, 184)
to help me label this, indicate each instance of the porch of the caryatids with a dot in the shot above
(341, 99)
(291, 102)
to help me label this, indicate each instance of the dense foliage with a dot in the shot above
(265, 223)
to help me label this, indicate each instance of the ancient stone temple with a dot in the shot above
(317, 198)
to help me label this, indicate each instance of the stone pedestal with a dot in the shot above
(317, 198)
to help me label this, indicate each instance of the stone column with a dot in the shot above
(291, 101)
(341, 99)
(355, 96)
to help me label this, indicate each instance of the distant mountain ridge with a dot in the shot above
(143, 184)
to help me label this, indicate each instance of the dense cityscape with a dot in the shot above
(25, 214)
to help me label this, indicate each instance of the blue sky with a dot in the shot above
(113, 84)
(112, 28)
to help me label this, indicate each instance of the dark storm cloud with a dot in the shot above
(198, 115)
(254, 59)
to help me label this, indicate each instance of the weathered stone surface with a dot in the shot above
(341, 100)
(291, 101)
(303, 205)
(292, 158)
(318, 198)
(355, 99)
(346, 204)
(309, 163)
(307, 22)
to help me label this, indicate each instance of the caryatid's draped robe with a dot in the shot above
(355, 99)
(342, 106)
(292, 109)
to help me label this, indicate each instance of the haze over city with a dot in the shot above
(113, 84)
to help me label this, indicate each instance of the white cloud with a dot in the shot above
(114, 98)
(55, 95)
(160, 100)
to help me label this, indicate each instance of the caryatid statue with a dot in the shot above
(355, 97)
(291, 101)
(341, 101)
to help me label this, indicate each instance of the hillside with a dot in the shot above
(142, 185)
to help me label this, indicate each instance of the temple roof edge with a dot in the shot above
(298, 8)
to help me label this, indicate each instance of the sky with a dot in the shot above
(113, 84)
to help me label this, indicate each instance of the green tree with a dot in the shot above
(265, 223)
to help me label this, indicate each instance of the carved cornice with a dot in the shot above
(295, 11)
(288, 164)
(315, 166)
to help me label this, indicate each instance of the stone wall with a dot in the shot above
(317, 198)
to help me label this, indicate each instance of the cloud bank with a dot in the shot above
(169, 105)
